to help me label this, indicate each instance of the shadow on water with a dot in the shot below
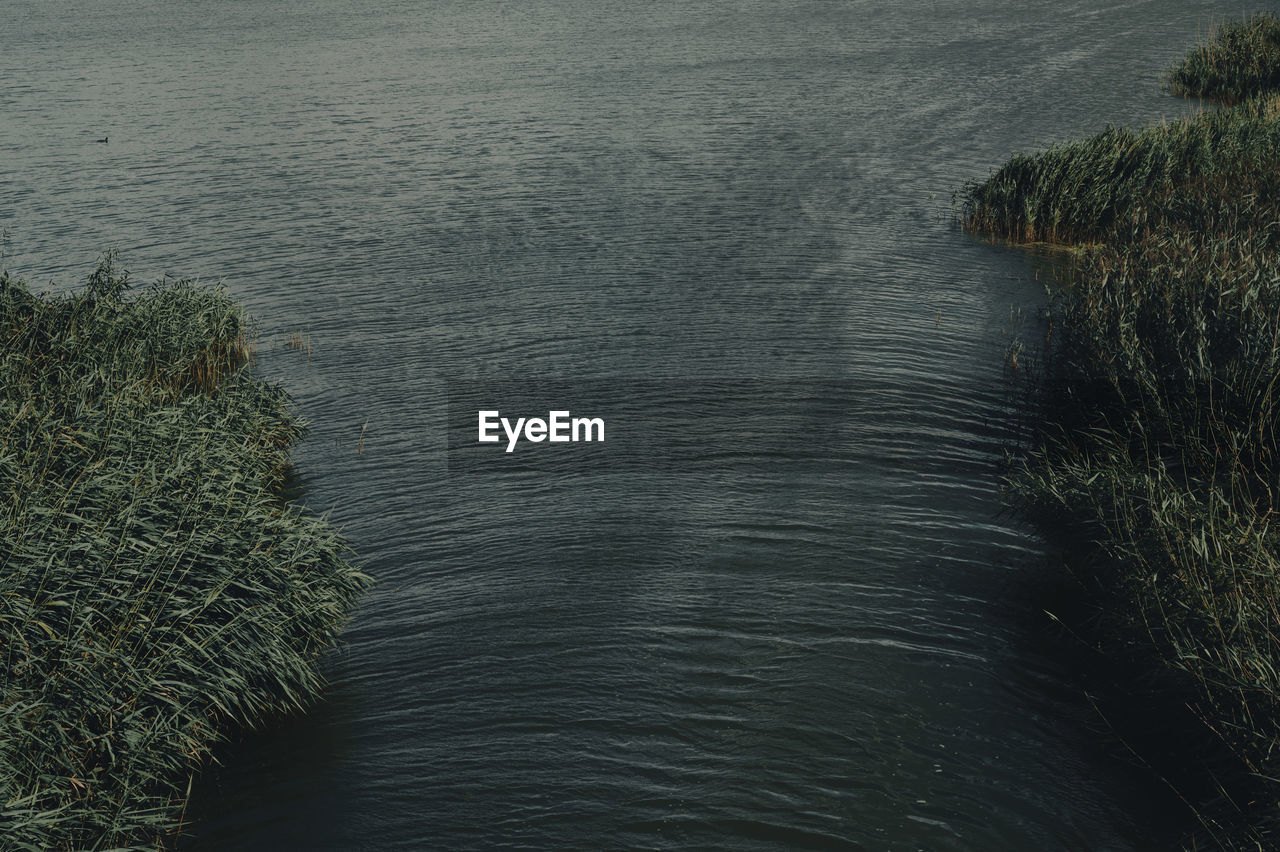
(313, 775)
(1137, 712)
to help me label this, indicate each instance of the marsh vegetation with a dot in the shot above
(1154, 437)
(1235, 62)
(155, 590)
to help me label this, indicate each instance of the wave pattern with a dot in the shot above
(756, 655)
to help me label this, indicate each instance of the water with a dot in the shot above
(749, 653)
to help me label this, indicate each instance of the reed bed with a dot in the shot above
(1237, 61)
(1155, 414)
(1076, 193)
(155, 590)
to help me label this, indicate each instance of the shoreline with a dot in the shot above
(157, 592)
(1152, 450)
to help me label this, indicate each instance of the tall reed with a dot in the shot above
(1155, 446)
(1075, 193)
(155, 591)
(1237, 61)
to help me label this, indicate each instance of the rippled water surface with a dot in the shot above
(744, 653)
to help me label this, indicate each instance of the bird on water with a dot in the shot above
(103, 139)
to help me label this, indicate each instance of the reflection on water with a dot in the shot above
(827, 654)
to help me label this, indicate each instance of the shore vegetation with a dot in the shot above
(155, 590)
(1155, 440)
(1237, 60)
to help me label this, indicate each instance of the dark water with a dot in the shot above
(747, 653)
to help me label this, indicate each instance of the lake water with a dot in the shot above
(826, 637)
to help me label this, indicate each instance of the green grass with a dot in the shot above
(1237, 61)
(1155, 449)
(155, 591)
